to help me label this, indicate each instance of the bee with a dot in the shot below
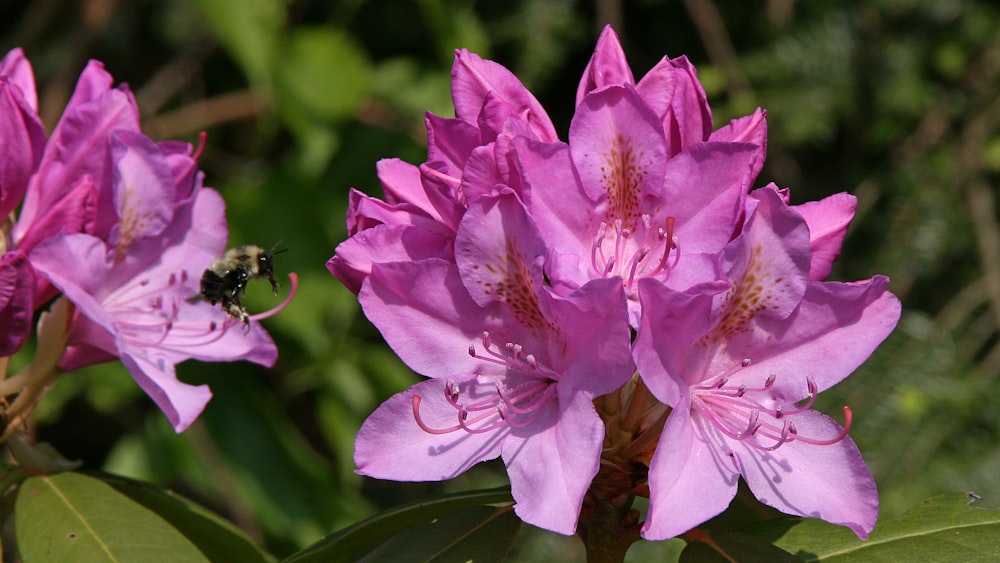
(225, 280)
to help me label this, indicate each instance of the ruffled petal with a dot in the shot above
(473, 77)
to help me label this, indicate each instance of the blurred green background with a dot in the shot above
(895, 101)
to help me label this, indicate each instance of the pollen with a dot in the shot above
(516, 287)
(752, 294)
(623, 173)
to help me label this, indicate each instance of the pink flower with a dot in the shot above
(735, 357)
(133, 292)
(16, 303)
(71, 190)
(514, 368)
(22, 136)
(467, 156)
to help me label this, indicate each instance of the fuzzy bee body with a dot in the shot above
(225, 280)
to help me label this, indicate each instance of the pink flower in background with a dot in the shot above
(22, 136)
(16, 304)
(71, 190)
(514, 368)
(735, 358)
(22, 139)
(133, 292)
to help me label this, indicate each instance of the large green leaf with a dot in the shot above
(944, 528)
(478, 533)
(364, 537)
(71, 517)
(216, 537)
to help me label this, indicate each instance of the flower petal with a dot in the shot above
(79, 146)
(835, 329)
(666, 351)
(828, 219)
(16, 303)
(673, 92)
(390, 444)
(619, 151)
(703, 189)
(144, 189)
(425, 315)
(552, 467)
(354, 257)
(690, 480)
(829, 482)
(499, 250)
(180, 402)
(473, 77)
(596, 354)
(607, 66)
(15, 68)
(22, 141)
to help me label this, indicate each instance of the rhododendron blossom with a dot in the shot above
(133, 293)
(640, 232)
(735, 358)
(122, 227)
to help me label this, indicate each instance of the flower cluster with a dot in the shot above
(615, 315)
(122, 228)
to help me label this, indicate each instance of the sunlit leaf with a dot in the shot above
(944, 528)
(71, 517)
(216, 537)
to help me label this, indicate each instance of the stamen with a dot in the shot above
(848, 419)
(415, 402)
(737, 414)
(597, 250)
(293, 278)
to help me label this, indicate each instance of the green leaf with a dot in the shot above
(360, 539)
(944, 528)
(711, 546)
(477, 533)
(216, 537)
(71, 517)
(323, 73)
(250, 31)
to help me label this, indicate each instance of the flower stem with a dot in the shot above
(608, 527)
